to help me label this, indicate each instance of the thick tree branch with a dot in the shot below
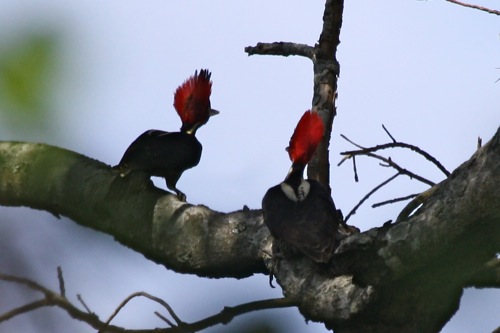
(326, 72)
(183, 237)
(380, 273)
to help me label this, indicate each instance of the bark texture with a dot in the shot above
(405, 277)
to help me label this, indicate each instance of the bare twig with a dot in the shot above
(28, 283)
(23, 309)
(351, 142)
(82, 302)
(389, 134)
(401, 170)
(388, 162)
(386, 202)
(356, 178)
(375, 189)
(429, 157)
(153, 298)
(62, 289)
(484, 9)
(228, 313)
(53, 299)
(159, 315)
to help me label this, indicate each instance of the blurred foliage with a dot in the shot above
(28, 66)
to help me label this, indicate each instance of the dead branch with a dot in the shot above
(228, 313)
(391, 201)
(326, 71)
(388, 133)
(364, 151)
(396, 144)
(166, 320)
(484, 9)
(281, 49)
(53, 299)
(388, 161)
(82, 302)
(153, 298)
(375, 189)
(62, 289)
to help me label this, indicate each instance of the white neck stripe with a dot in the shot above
(303, 191)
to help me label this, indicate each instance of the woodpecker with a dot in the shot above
(300, 213)
(169, 154)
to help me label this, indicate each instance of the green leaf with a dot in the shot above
(27, 73)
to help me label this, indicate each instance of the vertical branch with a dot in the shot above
(326, 72)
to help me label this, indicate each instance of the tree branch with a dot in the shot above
(281, 49)
(228, 313)
(416, 149)
(53, 299)
(326, 71)
(375, 189)
(484, 9)
(183, 237)
(416, 268)
(151, 297)
(388, 161)
(387, 264)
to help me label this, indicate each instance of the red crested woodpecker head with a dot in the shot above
(192, 101)
(306, 138)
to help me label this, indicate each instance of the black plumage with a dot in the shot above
(308, 226)
(162, 154)
(300, 213)
(169, 154)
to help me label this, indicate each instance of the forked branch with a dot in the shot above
(326, 72)
(52, 298)
(387, 160)
(370, 152)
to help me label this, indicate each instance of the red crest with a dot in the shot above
(306, 138)
(192, 98)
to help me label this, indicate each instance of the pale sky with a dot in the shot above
(425, 69)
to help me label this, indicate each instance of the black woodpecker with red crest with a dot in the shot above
(300, 213)
(169, 154)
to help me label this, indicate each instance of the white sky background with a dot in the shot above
(425, 69)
